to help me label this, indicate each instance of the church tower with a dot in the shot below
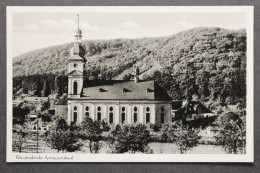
(76, 67)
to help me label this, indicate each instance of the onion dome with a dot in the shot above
(78, 33)
(77, 49)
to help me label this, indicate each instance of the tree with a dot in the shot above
(19, 114)
(38, 88)
(91, 131)
(184, 137)
(46, 117)
(46, 89)
(45, 106)
(63, 138)
(20, 133)
(131, 138)
(232, 136)
(59, 84)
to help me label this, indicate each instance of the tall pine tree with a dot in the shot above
(46, 89)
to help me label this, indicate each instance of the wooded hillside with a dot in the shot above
(209, 63)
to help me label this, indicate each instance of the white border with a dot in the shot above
(81, 157)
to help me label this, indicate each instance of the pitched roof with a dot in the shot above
(189, 106)
(35, 99)
(63, 101)
(75, 73)
(124, 90)
(76, 57)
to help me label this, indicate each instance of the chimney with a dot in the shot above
(136, 78)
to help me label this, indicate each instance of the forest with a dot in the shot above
(203, 63)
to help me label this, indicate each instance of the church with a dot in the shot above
(116, 102)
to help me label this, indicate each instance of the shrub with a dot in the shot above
(131, 138)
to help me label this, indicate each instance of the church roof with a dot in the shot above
(75, 73)
(63, 101)
(125, 90)
(76, 57)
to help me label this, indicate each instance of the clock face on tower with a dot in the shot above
(75, 65)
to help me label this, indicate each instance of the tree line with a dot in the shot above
(207, 62)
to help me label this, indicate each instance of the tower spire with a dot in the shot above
(78, 33)
(78, 21)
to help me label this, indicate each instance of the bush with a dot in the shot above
(184, 137)
(133, 138)
(91, 131)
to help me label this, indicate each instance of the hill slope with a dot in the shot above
(207, 62)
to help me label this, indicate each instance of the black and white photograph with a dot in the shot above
(130, 84)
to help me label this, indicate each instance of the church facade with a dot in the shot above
(116, 102)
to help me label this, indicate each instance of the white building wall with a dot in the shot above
(79, 81)
(80, 113)
(129, 114)
(69, 87)
(69, 113)
(61, 111)
(167, 114)
(155, 112)
(80, 66)
(117, 114)
(141, 115)
(152, 114)
(104, 113)
(92, 111)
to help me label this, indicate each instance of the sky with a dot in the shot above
(34, 30)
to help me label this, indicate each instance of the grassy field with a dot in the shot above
(168, 148)
(158, 148)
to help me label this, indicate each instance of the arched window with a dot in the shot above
(135, 114)
(111, 115)
(75, 88)
(87, 111)
(123, 115)
(99, 113)
(147, 115)
(75, 114)
(75, 117)
(162, 114)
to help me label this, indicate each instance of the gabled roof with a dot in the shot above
(189, 107)
(63, 101)
(76, 57)
(75, 73)
(124, 90)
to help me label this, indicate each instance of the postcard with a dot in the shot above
(130, 84)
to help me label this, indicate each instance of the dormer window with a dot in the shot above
(124, 90)
(148, 90)
(102, 90)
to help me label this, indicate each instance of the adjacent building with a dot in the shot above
(34, 101)
(61, 107)
(190, 110)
